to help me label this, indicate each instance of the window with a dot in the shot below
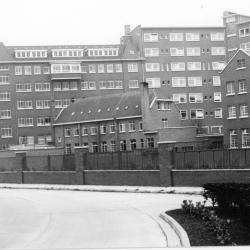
(142, 143)
(164, 122)
(242, 86)
(88, 85)
(163, 105)
(133, 84)
(6, 132)
(5, 114)
(154, 82)
(43, 121)
(217, 36)
(94, 147)
(123, 146)
(122, 127)
(67, 52)
(4, 68)
(216, 129)
(112, 128)
(216, 51)
(197, 114)
(176, 36)
(103, 129)
(218, 113)
(193, 51)
(62, 103)
(84, 69)
(18, 70)
(140, 126)
(118, 67)
(84, 131)
(4, 80)
(68, 149)
(112, 145)
(110, 84)
(66, 68)
(100, 68)
(195, 97)
(67, 132)
(194, 81)
(178, 66)
(27, 70)
(152, 67)
(243, 110)
(30, 53)
(42, 104)
(37, 70)
(110, 68)
(177, 51)
(183, 114)
(25, 122)
(42, 86)
(93, 130)
(65, 85)
(73, 85)
(4, 96)
(245, 46)
(151, 52)
(150, 142)
(233, 138)
(244, 32)
(46, 70)
(29, 140)
(194, 65)
(216, 81)
(44, 139)
(245, 138)
(230, 88)
(192, 37)
(104, 146)
(24, 104)
(231, 112)
(218, 65)
(180, 98)
(57, 86)
(217, 96)
(241, 63)
(132, 67)
(131, 126)
(178, 82)
(23, 87)
(133, 144)
(150, 37)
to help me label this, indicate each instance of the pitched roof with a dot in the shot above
(101, 108)
(5, 55)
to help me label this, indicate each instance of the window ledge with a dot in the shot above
(230, 94)
(241, 68)
(242, 93)
(243, 116)
(232, 118)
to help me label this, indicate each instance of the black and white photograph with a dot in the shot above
(124, 124)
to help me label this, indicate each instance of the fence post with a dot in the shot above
(80, 163)
(166, 163)
(20, 166)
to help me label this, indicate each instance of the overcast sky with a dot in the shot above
(48, 22)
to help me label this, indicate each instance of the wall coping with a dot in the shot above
(210, 170)
(120, 170)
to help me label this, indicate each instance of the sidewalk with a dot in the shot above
(99, 188)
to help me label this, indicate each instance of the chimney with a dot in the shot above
(126, 29)
(146, 113)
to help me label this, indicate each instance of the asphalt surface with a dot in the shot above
(50, 219)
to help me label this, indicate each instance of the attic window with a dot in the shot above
(89, 111)
(72, 113)
(108, 109)
(137, 106)
(117, 108)
(81, 112)
(99, 110)
(126, 107)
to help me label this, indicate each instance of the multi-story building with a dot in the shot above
(184, 63)
(237, 32)
(235, 80)
(36, 82)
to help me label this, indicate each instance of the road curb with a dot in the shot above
(181, 233)
(123, 189)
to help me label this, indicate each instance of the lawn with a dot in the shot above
(200, 235)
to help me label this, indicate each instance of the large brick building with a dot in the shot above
(37, 82)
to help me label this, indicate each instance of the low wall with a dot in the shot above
(49, 177)
(201, 177)
(9, 177)
(122, 177)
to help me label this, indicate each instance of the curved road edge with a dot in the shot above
(181, 233)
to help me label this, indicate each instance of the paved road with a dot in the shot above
(42, 219)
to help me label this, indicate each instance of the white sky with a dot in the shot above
(48, 22)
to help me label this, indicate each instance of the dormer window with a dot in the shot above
(163, 105)
(241, 63)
